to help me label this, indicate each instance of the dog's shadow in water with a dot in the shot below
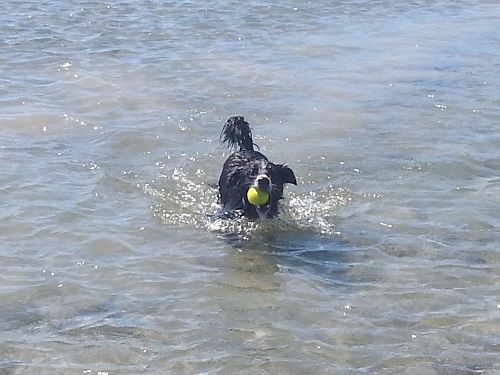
(331, 258)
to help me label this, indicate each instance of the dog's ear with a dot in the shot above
(285, 173)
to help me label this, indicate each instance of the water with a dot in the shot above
(386, 257)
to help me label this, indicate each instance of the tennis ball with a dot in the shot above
(257, 196)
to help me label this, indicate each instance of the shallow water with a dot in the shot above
(386, 257)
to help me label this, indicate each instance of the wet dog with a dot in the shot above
(247, 168)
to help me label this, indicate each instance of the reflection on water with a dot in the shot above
(385, 256)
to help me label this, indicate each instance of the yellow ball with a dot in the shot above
(257, 197)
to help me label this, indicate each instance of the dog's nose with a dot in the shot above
(263, 182)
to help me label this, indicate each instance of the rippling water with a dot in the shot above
(386, 257)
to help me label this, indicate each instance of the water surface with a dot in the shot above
(385, 259)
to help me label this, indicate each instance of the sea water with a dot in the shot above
(386, 256)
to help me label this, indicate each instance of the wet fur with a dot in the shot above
(245, 168)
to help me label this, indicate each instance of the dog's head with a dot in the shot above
(273, 176)
(267, 176)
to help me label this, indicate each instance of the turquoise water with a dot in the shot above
(386, 257)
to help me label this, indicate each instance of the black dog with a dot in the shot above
(249, 168)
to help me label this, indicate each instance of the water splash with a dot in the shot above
(315, 210)
(186, 200)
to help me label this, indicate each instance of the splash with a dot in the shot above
(315, 210)
(184, 201)
(189, 201)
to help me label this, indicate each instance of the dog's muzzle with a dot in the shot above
(263, 182)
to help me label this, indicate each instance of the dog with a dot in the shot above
(247, 168)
